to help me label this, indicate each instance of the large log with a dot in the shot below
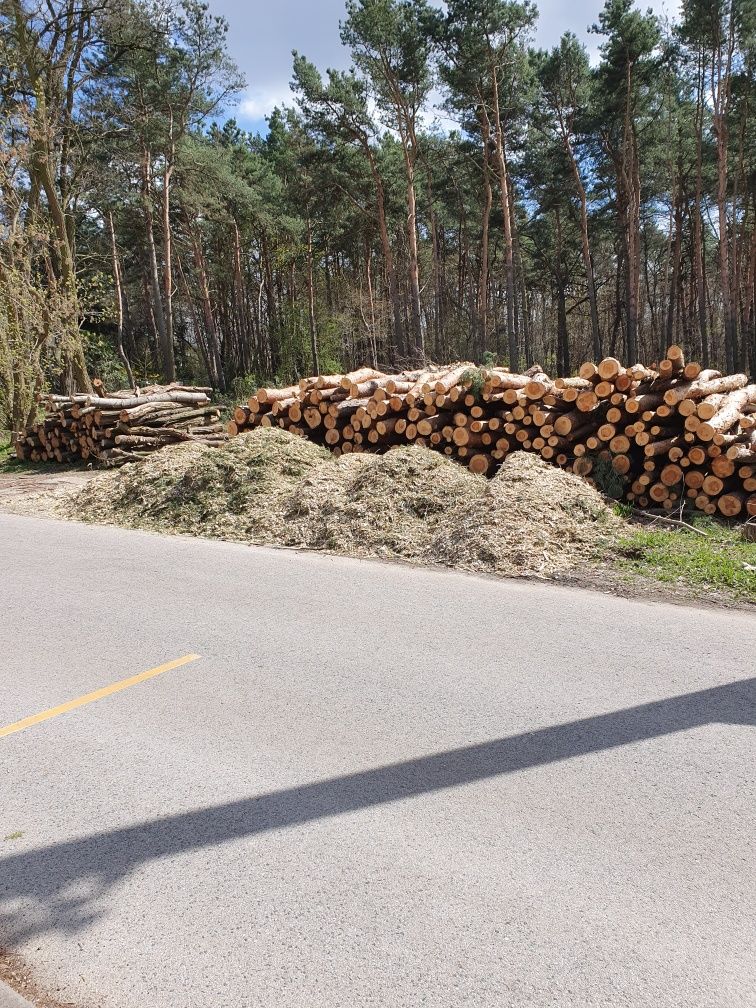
(727, 415)
(704, 386)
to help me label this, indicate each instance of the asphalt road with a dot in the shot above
(377, 786)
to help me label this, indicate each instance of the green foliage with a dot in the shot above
(721, 559)
(391, 43)
(622, 510)
(474, 379)
(103, 361)
(244, 386)
(609, 482)
(11, 465)
(240, 389)
(34, 319)
(607, 205)
(6, 446)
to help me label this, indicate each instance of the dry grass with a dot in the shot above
(269, 486)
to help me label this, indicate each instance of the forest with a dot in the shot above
(456, 194)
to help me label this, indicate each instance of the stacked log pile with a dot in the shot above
(672, 432)
(120, 427)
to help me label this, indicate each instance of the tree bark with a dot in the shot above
(563, 340)
(413, 267)
(585, 245)
(482, 320)
(118, 285)
(399, 343)
(217, 377)
(720, 90)
(166, 349)
(501, 164)
(698, 240)
(152, 263)
(314, 350)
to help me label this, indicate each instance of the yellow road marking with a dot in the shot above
(115, 687)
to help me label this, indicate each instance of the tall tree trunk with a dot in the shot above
(585, 245)
(672, 295)
(699, 263)
(482, 313)
(501, 164)
(749, 312)
(632, 350)
(216, 375)
(152, 263)
(563, 339)
(520, 286)
(413, 265)
(42, 170)
(436, 272)
(371, 327)
(118, 286)
(721, 75)
(241, 307)
(629, 204)
(314, 351)
(167, 354)
(399, 346)
(72, 349)
(199, 333)
(272, 357)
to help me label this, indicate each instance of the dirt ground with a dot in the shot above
(626, 584)
(37, 492)
(15, 973)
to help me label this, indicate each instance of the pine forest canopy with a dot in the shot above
(456, 194)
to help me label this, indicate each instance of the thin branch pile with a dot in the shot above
(668, 433)
(120, 427)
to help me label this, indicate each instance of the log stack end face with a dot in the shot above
(672, 434)
(658, 429)
(125, 426)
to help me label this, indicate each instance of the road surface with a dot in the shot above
(375, 786)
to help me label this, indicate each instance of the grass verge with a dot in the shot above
(720, 559)
(8, 460)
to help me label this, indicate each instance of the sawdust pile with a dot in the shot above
(532, 519)
(238, 491)
(388, 505)
(268, 486)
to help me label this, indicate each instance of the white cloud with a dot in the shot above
(262, 36)
(259, 102)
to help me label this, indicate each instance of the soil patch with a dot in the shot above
(39, 492)
(17, 975)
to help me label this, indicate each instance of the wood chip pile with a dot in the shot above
(120, 427)
(671, 431)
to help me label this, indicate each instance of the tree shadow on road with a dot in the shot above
(59, 887)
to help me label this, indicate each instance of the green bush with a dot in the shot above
(103, 360)
(475, 379)
(609, 482)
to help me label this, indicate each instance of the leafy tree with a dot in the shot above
(391, 43)
(566, 89)
(627, 90)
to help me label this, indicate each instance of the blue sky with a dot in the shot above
(262, 35)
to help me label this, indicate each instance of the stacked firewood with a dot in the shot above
(671, 432)
(122, 426)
